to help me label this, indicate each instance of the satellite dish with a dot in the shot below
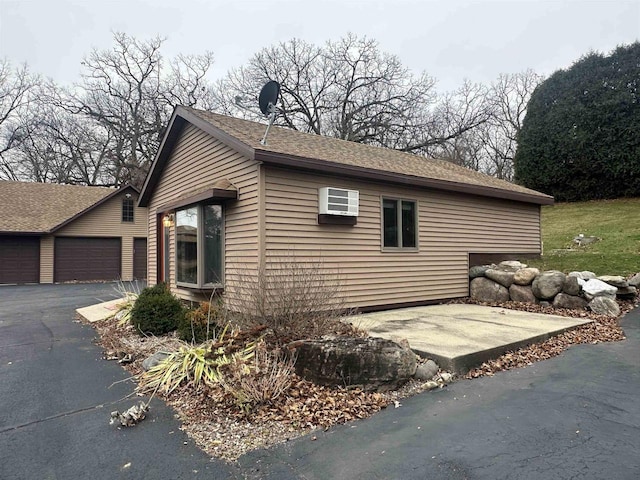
(269, 97)
(267, 101)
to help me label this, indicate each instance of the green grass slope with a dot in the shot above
(615, 222)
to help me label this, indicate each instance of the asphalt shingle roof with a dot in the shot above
(41, 207)
(294, 143)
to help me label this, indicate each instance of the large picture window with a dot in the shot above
(199, 245)
(399, 221)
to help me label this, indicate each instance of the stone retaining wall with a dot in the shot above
(512, 280)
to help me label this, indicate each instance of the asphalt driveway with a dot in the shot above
(55, 399)
(574, 416)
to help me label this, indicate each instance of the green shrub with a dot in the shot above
(157, 311)
(201, 324)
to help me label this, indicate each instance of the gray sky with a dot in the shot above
(450, 40)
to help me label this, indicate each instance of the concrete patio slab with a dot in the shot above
(100, 311)
(459, 337)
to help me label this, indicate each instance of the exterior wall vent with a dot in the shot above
(338, 201)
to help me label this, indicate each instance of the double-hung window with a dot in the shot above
(199, 246)
(399, 224)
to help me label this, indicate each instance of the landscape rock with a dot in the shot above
(572, 286)
(615, 280)
(597, 288)
(370, 363)
(426, 371)
(634, 281)
(548, 284)
(563, 300)
(584, 275)
(150, 362)
(627, 293)
(525, 276)
(484, 290)
(511, 266)
(604, 306)
(522, 293)
(502, 277)
(478, 271)
(582, 241)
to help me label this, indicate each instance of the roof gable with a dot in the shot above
(37, 208)
(306, 151)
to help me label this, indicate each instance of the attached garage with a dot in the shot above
(19, 259)
(87, 258)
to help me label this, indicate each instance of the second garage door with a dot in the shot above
(87, 258)
(19, 259)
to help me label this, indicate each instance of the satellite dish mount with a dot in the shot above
(267, 101)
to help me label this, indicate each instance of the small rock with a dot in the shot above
(446, 377)
(154, 360)
(525, 276)
(484, 290)
(634, 281)
(584, 275)
(430, 385)
(615, 280)
(604, 306)
(544, 303)
(572, 286)
(478, 271)
(511, 266)
(502, 277)
(627, 293)
(426, 371)
(563, 300)
(597, 288)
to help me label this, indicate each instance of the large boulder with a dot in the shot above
(572, 286)
(525, 276)
(511, 266)
(503, 277)
(563, 300)
(484, 290)
(615, 280)
(627, 293)
(370, 363)
(597, 288)
(605, 306)
(548, 284)
(478, 271)
(634, 281)
(522, 293)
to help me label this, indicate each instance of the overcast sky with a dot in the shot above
(451, 40)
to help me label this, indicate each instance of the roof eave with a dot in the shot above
(323, 166)
(180, 117)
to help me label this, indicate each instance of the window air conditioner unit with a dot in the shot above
(338, 201)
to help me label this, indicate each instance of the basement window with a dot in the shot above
(199, 246)
(399, 222)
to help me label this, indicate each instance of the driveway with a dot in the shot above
(56, 395)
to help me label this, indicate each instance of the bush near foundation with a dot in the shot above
(157, 311)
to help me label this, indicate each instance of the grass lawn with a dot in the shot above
(615, 222)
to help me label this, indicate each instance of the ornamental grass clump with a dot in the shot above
(157, 311)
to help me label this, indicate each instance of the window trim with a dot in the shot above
(400, 248)
(200, 285)
(122, 210)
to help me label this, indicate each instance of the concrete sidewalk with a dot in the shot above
(459, 337)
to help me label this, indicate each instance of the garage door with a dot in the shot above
(140, 258)
(86, 259)
(19, 259)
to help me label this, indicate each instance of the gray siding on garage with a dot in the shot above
(87, 258)
(19, 259)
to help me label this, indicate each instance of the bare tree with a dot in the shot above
(16, 84)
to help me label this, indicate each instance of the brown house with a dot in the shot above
(399, 229)
(58, 233)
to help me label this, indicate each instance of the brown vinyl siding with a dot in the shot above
(196, 162)
(450, 227)
(106, 221)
